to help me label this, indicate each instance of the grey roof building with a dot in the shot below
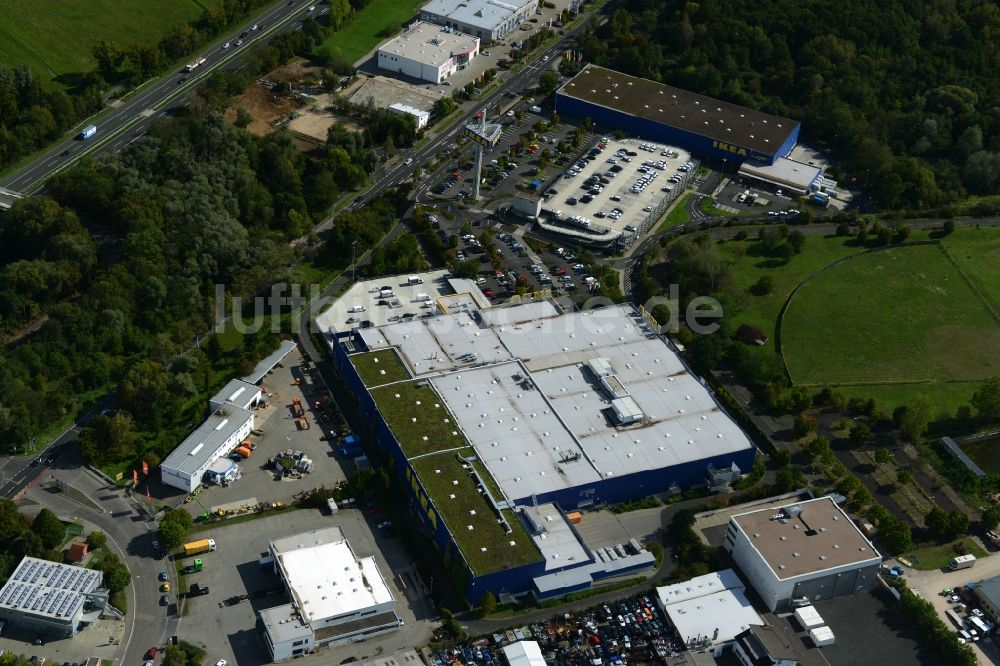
(51, 598)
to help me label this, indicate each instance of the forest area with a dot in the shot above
(124, 258)
(903, 93)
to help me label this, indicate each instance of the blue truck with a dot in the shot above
(88, 131)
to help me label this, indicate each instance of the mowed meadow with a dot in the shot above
(58, 38)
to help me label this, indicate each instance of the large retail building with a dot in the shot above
(499, 420)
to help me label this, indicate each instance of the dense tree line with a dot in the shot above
(197, 203)
(33, 113)
(904, 93)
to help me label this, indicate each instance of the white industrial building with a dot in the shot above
(229, 422)
(51, 598)
(709, 611)
(225, 429)
(805, 551)
(524, 653)
(428, 52)
(336, 597)
(489, 20)
(420, 117)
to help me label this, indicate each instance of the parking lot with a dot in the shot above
(868, 631)
(744, 198)
(618, 183)
(280, 430)
(229, 632)
(632, 629)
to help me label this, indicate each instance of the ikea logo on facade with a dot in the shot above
(730, 148)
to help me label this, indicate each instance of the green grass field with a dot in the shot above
(762, 311)
(937, 556)
(57, 38)
(977, 254)
(369, 27)
(894, 316)
(380, 367)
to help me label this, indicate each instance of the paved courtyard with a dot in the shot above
(279, 431)
(229, 632)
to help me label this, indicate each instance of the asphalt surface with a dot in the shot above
(128, 120)
(147, 623)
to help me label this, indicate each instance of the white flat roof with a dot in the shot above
(485, 14)
(521, 392)
(727, 612)
(366, 294)
(783, 172)
(704, 605)
(558, 544)
(524, 653)
(201, 445)
(699, 586)
(429, 43)
(325, 577)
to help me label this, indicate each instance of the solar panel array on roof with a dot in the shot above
(48, 588)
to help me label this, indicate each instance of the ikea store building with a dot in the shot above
(500, 422)
(704, 126)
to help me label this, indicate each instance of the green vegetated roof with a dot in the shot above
(380, 367)
(418, 418)
(455, 494)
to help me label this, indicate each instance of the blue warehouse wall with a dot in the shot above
(699, 146)
(640, 484)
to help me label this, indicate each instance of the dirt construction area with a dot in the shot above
(265, 106)
(314, 121)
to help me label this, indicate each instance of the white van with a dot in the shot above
(536, 109)
(414, 279)
(358, 308)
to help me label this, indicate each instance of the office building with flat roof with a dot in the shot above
(336, 596)
(51, 598)
(489, 20)
(808, 551)
(428, 52)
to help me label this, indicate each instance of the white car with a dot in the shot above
(409, 161)
(221, 662)
(312, 8)
(253, 27)
(226, 45)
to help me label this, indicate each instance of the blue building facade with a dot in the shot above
(520, 579)
(729, 148)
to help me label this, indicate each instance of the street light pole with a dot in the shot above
(354, 244)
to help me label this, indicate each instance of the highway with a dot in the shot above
(128, 120)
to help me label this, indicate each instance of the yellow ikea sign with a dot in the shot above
(730, 148)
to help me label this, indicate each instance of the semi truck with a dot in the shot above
(88, 131)
(196, 547)
(962, 562)
(193, 65)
